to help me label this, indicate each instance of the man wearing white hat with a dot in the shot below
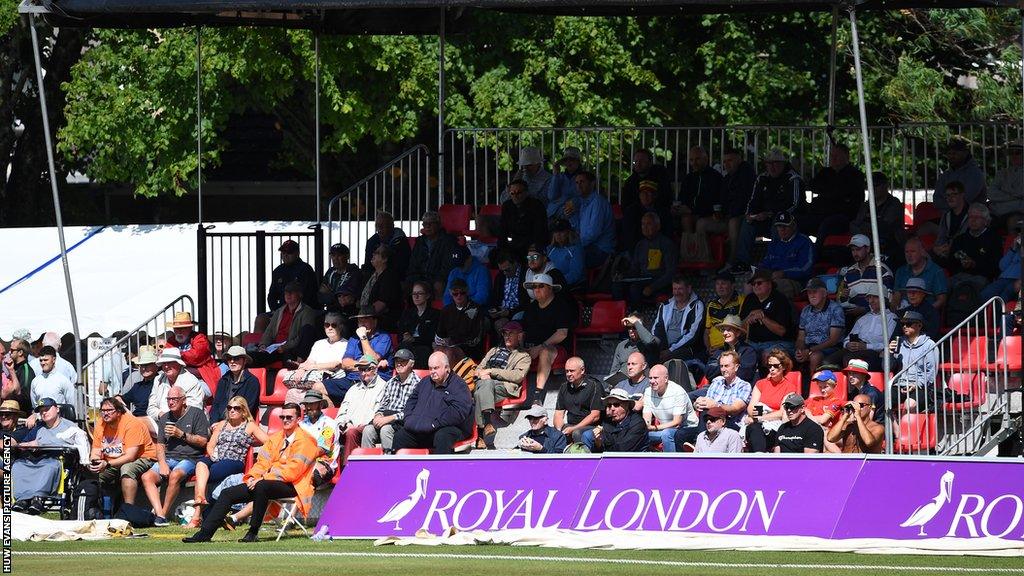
(778, 189)
(860, 278)
(541, 438)
(139, 387)
(173, 373)
(532, 173)
(546, 322)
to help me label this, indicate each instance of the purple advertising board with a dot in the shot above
(823, 496)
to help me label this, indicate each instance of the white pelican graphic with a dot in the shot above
(400, 509)
(926, 512)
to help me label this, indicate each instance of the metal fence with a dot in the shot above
(481, 161)
(402, 187)
(235, 268)
(107, 365)
(967, 407)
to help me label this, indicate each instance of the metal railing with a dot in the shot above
(234, 271)
(967, 409)
(402, 187)
(107, 366)
(481, 161)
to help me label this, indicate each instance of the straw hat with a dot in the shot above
(181, 320)
(11, 407)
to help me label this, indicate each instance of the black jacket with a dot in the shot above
(702, 190)
(298, 271)
(736, 190)
(630, 435)
(524, 224)
(782, 194)
(838, 192)
(434, 264)
(658, 174)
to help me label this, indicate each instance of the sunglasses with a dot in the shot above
(613, 404)
(107, 410)
(287, 418)
(533, 257)
(367, 368)
(458, 292)
(239, 408)
(789, 408)
(714, 419)
(330, 325)
(775, 365)
(234, 359)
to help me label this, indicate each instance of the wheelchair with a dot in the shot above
(71, 474)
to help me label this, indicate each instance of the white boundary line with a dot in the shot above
(447, 556)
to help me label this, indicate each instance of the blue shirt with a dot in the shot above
(594, 222)
(726, 394)
(478, 279)
(568, 260)
(933, 275)
(816, 324)
(381, 344)
(561, 187)
(793, 257)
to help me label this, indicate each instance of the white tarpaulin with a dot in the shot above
(36, 528)
(647, 540)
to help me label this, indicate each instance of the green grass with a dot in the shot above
(226, 557)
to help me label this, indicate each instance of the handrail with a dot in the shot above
(903, 126)
(386, 166)
(138, 328)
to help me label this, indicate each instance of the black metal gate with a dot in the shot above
(234, 271)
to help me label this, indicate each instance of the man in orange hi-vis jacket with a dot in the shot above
(283, 469)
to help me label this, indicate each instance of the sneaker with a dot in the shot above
(35, 506)
(21, 505)
(229, 522)
(160, 522)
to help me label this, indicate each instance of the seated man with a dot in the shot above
(292, 270)
(921, 267)
(821, 327)
(953, 221)
(725, 303)
(38, 474)
(667, 409)
(838, 191)
(523, 219)
(717, 438)
(290, 333)
(508, 297)
(962, 168)
(283, 469)
(565, 254)
(768, 316)
(974, 254)
(655, 175)
(734, 335)
(470, 271)
(388, 236)
(798, 434)
(541, 438)
(325, 431)
(1006, 194)
(623, 428)
(778, 189)
(861, 277)
(439, 411)
(500, 374)
(857, 431)
(890, 212)
(790, 256)
(916, 296)
(547, 322)
(858, 379)
(122, 450)
(431, 256)
(532, 172)
(578, 407)
(195, 348)
(652, 264)
(139, 386)
(636, 382)
(50, 382)
(460, 327)
(700, 190)
(10, 412)
(358, 409)
(679, 323)
(866, 338)
(734, 195)
(238, 381)
(916, 358)
(727, 392)
(592, 219)
(632, 217)
(390, 407)
(638, 339)
(341, 273)
(182, 434)
(172, 373)
(1007, 285)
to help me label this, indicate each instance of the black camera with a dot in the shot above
(848, 409)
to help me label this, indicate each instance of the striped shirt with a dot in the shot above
(396, 395)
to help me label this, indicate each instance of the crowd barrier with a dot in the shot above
(834, 497)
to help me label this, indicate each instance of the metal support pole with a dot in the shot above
(80, 400)
(440, 110)
(882, 297)
(199, 120)
(316, 97)
(832, 82)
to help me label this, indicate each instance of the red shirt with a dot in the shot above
(831, 405)
(286, 324)
(772, 394)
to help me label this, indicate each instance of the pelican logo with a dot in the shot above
(402, 508)
(929, 510)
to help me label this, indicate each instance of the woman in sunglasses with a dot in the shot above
(324, 359)
(230, 440)
(764, 412)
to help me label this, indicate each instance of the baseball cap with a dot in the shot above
(45, 403)
(784, 219)
(339, 248)
(825, 376)
(716, 412)
(512, 326)
(860, 241)
(793, 400)
(910, 317)
(404, 354)
(536, 411)
(289, 246)
(815, 284)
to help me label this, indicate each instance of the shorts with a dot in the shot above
(185, 466)
(136, 468)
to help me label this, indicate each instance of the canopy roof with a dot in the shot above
(411, 16)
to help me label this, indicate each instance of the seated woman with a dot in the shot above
(418, 323)
(764, 412)
(230, 440)
(237, 381)
(324, 359)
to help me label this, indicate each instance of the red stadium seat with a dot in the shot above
(605, 318)
(966, 353)
(971, 384)
(490, 210)
(1008, 353)
(926, 212)
(272, 419)
(367, 452)
(274, 396)
(517, 401)
(558, 365)
(877, 380)
(412, 451)
(917, 433)
(841, 240)
(716, 249)
(455, 218)
(421, 373)
(251, 338)
(617, 211)
(331, 412)
(467, 444)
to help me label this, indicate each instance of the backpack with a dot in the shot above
(137, 516)
(86, 502)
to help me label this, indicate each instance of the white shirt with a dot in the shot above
(195, 393)
(675, 402)
(869, 328)
(360, 403)
(52, 384)
(323, 351)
